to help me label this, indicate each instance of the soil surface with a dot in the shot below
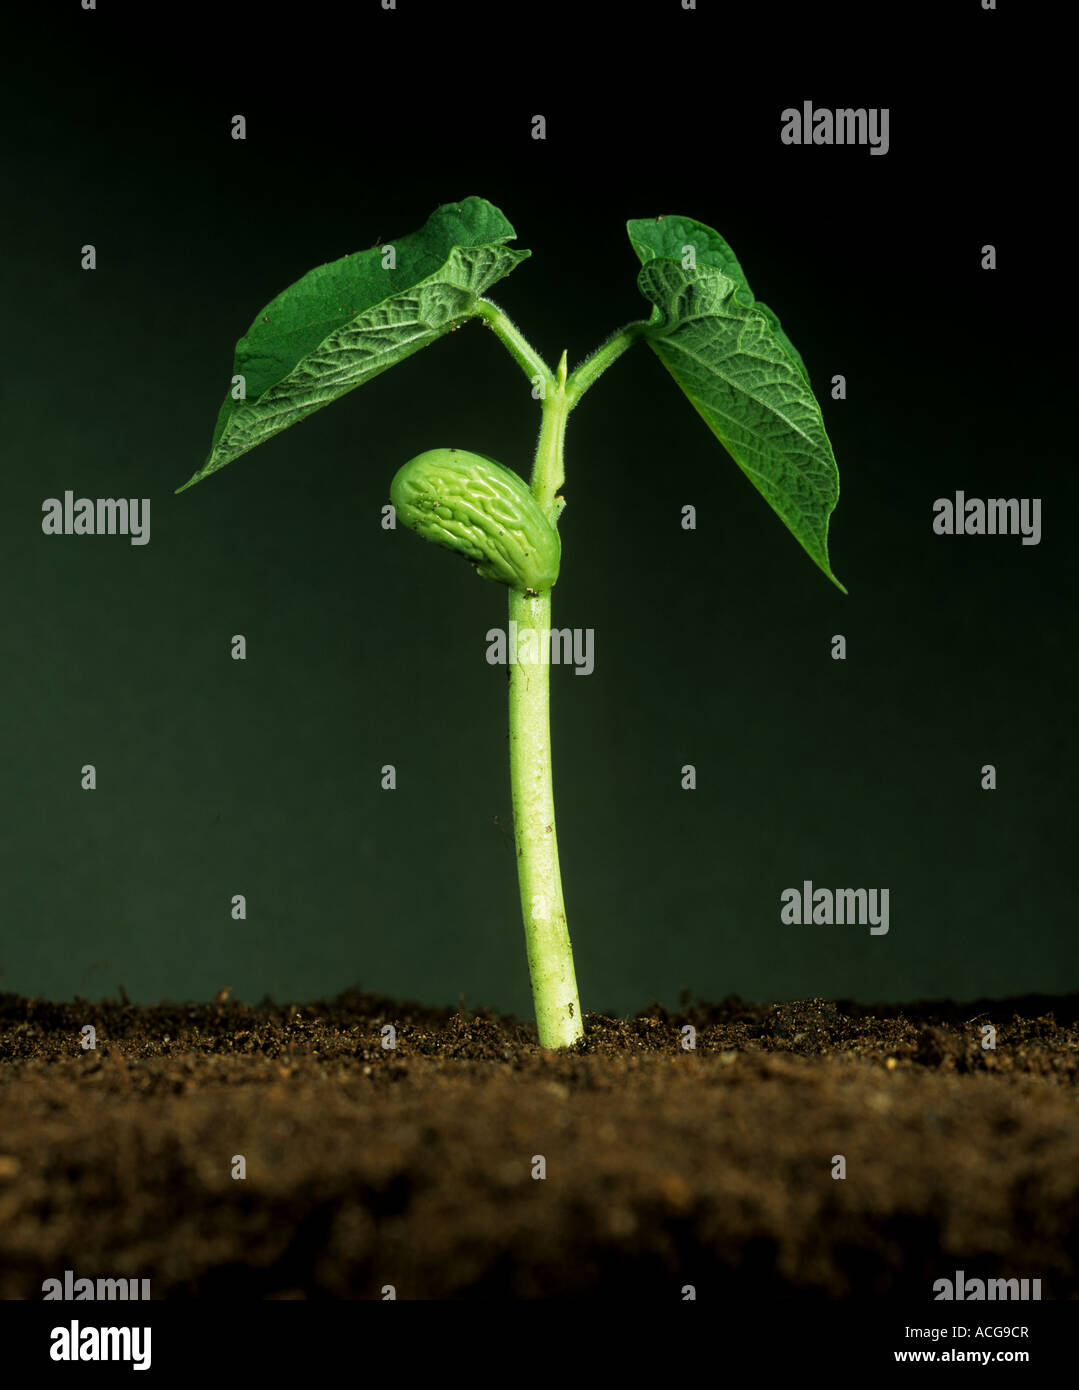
(466, 1162)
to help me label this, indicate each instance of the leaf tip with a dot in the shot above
(824, 565)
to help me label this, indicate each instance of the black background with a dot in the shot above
(364, 647)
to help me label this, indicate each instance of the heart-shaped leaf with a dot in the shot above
(741, 373)
(343, 323)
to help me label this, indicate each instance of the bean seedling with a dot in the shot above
(345, 322)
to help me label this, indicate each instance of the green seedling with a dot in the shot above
(345, 322)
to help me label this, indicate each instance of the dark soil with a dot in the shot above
(413, 1167)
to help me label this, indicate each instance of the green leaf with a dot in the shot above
(345, 322)
(740, 372)
(671, 235)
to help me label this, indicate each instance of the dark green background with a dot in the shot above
(365, 647)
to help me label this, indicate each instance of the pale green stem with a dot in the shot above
(515, 343)
(550, 954)
(548, 471)
(601, 359)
